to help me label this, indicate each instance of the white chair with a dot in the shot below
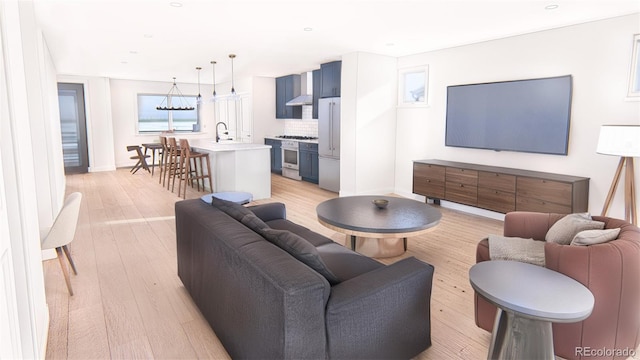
(62, 233)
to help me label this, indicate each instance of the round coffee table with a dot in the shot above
(357, 216)
(529, 299)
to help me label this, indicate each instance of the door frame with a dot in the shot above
(83, 145)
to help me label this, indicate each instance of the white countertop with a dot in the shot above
(315, 141)
(211, 145)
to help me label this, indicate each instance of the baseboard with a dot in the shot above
(102, 168)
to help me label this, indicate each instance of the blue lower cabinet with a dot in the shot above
(276, 155)
(308, 153)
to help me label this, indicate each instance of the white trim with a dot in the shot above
(634, 89)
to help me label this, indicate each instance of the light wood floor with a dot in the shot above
(129, 302)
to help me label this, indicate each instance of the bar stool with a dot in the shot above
(164, 154)
(192, 172)
(173, 165)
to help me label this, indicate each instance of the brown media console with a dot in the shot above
(500, 189)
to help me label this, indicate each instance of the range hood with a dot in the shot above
(300, 100)
(306, 86)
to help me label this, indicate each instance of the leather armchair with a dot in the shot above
(610, 270)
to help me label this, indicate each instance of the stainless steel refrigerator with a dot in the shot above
(329, 143)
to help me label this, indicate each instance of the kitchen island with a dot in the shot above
(238, 166)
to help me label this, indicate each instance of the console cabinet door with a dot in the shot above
(544, 196)
(428, 180)
(496, 191)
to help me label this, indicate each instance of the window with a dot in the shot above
(634, 78)
(413, 85)
(151, 120)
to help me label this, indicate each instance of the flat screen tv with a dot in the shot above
(522, 115)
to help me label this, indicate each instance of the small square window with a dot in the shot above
(413, 86)
(634, 78)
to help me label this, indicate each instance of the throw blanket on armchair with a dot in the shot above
(516, 249)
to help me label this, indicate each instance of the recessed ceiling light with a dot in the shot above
(133, 52)
(124, 62)
(308, 29)
(389, 44)
(148, 36)
(551, 7)
(175, 4)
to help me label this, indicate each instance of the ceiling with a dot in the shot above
(157, 40)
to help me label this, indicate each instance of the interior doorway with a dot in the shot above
(73, 126)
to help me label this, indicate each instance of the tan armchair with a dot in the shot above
(610, 270)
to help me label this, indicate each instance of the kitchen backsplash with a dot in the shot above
(305, 127)
(301, 127)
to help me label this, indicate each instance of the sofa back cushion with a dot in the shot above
(232, 209)
(593, 237)
(301, 249)
(565, 229)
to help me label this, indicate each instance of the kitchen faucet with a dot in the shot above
(225, 132)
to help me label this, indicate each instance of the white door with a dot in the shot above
(9, 330)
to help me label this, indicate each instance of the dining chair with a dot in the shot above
(142, 159)
(62, 233)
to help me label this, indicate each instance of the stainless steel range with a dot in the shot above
(290, 159)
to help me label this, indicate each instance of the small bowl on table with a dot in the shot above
(381, 203)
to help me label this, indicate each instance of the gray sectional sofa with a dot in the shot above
(272, 289)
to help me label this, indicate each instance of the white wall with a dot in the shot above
(98, 119)
(27, 130)
(264, 109)
(597, 54)
(368, 124)
(125, 114)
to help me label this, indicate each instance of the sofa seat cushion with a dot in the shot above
(312, 237)
(301, 249)
(344, 263)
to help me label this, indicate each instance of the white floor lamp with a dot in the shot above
(623, 141)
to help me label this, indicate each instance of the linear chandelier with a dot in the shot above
(174, 93)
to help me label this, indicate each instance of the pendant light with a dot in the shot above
(213, 64)
(174, 93)
(233, 90)
(199, 96)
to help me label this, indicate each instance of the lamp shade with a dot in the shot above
(619, 140)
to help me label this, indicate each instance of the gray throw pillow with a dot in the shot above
(592, 237)
(565, 229)
(301, 249)
(232, 209)
(254, 223)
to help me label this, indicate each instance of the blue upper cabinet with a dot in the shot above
(287, 87)
(317, 85)
(330, 79)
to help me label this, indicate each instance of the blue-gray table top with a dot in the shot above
(531, 291)
(358, 213)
